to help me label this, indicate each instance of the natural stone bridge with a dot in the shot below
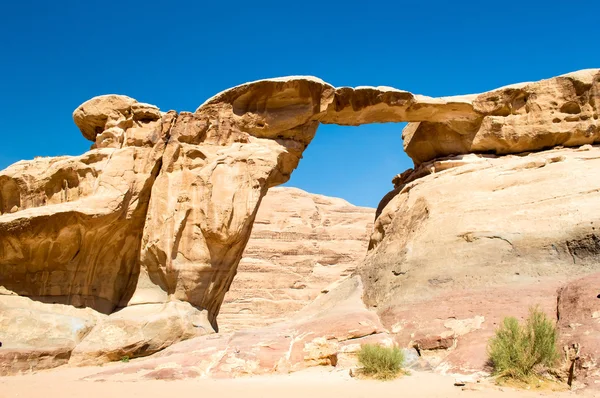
(157, 214)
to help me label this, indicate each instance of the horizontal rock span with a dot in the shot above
(162, 206)
(513, 119)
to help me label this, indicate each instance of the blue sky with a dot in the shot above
(55, 55)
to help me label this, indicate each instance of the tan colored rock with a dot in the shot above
(140, 330)
(524, 117)
(300, 244)
(218, 165)
(160, 210)
(37, 336)
(361, 105)
(92, 116)
(332, 327)
(243, 141)
(488, 221)
(75, 237)
(25, 322)
(579, 321)
(480, 236)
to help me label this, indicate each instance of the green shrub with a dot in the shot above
(125, 358)
(380, 362)
(517, 349)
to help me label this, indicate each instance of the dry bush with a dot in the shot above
(382, 363)
(518, 350)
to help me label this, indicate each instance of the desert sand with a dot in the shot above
(313, 382)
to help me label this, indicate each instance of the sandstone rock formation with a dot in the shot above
(39, 336)
(300, 245)
(70, 226)
(154, 219)
(484, 220)
(578, 315)
(327, 332)
(515, 119)
(464, 241)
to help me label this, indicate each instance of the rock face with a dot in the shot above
(327, 332)
(39, 336)
(155, 217)
(480, 221)
(464, 241)
(514, 119)
(216, 168)
(579, 324)
(301, 244)
(70, 227)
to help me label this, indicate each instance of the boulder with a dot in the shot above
(38, 336)
(474, 221)
(140, 330)
(93, 116)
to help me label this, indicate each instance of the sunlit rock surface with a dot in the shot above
(154, 219)
(301, 244)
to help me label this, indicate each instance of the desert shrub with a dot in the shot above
(125, 358)
(518, 349)
(380, 362)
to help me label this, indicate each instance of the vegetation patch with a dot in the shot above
(522, 351)
(380, 362)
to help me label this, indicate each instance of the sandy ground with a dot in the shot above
(313, 383)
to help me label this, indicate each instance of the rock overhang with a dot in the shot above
(292, 107)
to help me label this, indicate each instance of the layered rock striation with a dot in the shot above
(301, 246)
(464, 241)
(482, 220)
(154, 219)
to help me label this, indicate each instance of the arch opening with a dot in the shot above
(355, 163)
(313, 231)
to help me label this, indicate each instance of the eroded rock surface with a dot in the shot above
(217, 166)
(139, 330)
(152, 222)
(327, 333)
(39, 336)
(579, 325)
(70, 227)
(465, 241)
(519, 118)
(473, 221)
(300, 245)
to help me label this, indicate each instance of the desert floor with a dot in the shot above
(313, 383)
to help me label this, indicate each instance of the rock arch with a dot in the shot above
(182, 190)
(252, 137)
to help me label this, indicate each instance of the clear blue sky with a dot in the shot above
(55, 55)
